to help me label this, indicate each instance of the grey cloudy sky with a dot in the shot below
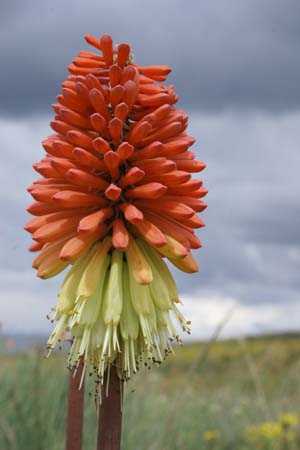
(236, 67)
(241, 54)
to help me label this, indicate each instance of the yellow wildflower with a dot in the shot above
(211, 435)
(270, 430)
(288, 420)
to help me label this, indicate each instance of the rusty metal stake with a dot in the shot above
(75, 410)
(110, 413)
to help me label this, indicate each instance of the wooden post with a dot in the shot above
(75, 410)
(110, 413)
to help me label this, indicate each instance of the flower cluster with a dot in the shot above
(280, 434)
(116, 197)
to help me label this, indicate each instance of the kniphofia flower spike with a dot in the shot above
(114, 199)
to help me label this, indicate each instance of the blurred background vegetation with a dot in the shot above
(241, 394)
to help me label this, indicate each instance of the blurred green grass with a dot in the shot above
(222, 388)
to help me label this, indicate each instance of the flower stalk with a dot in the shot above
(110, 412)
(75, 408)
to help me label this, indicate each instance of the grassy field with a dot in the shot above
(233, 395)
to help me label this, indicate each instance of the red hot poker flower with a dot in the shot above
(116, 180)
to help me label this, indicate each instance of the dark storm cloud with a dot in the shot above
(277, 222)
(251, 242)
(224, 54)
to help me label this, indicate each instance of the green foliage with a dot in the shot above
(233, 395)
